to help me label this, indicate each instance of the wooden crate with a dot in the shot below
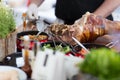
(8, 45)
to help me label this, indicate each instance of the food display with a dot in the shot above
(102, 63)
(42, 37)
(34, 37)
(57, 46)
(80, 52)
(86, 29)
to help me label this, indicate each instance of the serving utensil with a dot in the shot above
(112, 44)
(80, 44)
(40, 26)
(51, 35)
(38, 33)
(59, 39)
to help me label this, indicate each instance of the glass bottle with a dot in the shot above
(26, 68)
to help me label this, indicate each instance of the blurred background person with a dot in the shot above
(43, 8)
(16, 3)
(71, 10)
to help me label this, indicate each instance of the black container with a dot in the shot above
(19, 41)
(89, 46)
(77, 49)
(10, 60)
(54, 43)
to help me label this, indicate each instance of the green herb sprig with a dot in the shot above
(102, 63)
(7, 22)
(57, 47)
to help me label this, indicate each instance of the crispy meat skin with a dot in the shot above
(86, 29)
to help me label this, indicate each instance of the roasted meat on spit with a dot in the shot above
(86, 29)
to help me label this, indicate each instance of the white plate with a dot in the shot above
(21, 74)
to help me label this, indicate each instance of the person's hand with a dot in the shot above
(32, 12)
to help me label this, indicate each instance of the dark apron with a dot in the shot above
(71, 10)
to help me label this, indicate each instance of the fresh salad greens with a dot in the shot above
(7, 22)
(57, 47)
(102, 63)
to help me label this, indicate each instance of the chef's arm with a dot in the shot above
(37, 2)
(32, 11)
(107, 7)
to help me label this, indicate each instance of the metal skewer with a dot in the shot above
(80, 44)
(64, 43)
